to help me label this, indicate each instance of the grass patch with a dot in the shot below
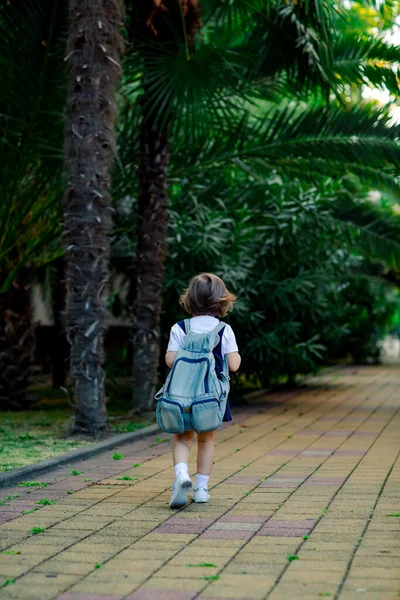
(41, 433)
(117, 456)
(7, 499)
(292, 557)
(203, 564)
(37, 484)
(37, 530)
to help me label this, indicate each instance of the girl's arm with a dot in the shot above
(234, 360)
(170, 358)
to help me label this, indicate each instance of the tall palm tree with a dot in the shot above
(171, 25)
(93, 57)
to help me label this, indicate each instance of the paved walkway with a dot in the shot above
(305, 504)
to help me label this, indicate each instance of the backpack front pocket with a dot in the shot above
(206, 415)
(169, 416)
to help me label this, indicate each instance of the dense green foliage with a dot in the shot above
(274, 153)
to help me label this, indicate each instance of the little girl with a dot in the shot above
(205, 299)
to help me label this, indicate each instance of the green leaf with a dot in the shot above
(37, 530)
(117, 456)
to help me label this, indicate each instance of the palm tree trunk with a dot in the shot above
(94, 49)
(150, 256)
(171, 24)
(17, 344)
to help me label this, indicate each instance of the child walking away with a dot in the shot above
(194, 398)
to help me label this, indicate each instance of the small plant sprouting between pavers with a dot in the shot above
(86, 480)
(98, 565)
(211, 577)
(75, 472)
(393, 515)
(201, 565)
(305, 537)
(37, 530)
(292, 557)
(127, 478)
(12, 552)
(161, 441)
(117, 456)
(28, 512)
(6, 499)
(38, 484)
(70, 492)
(324, 594)
(8, 582)
(137, 465)
(45, 502)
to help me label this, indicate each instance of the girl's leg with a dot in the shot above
(205, 457)
(182, 446)
(182, 484)
(205, 452)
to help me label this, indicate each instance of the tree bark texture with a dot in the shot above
(93, 56)
(150, 256)
(60, 353)
(168, 24)
(17, 345)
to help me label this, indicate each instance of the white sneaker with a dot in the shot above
(201, 494)
(180, 491)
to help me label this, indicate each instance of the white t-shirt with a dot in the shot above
(202, 324)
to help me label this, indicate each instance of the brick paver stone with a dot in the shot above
(305, 504)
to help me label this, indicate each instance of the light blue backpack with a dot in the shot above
(193, 397)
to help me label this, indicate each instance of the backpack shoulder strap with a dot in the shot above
(182, 325)
(219, 327)
(218, 333)
(187, 325)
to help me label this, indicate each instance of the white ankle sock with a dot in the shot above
(202, 481)
(181, 468)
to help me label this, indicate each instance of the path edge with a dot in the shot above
(22, 473)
